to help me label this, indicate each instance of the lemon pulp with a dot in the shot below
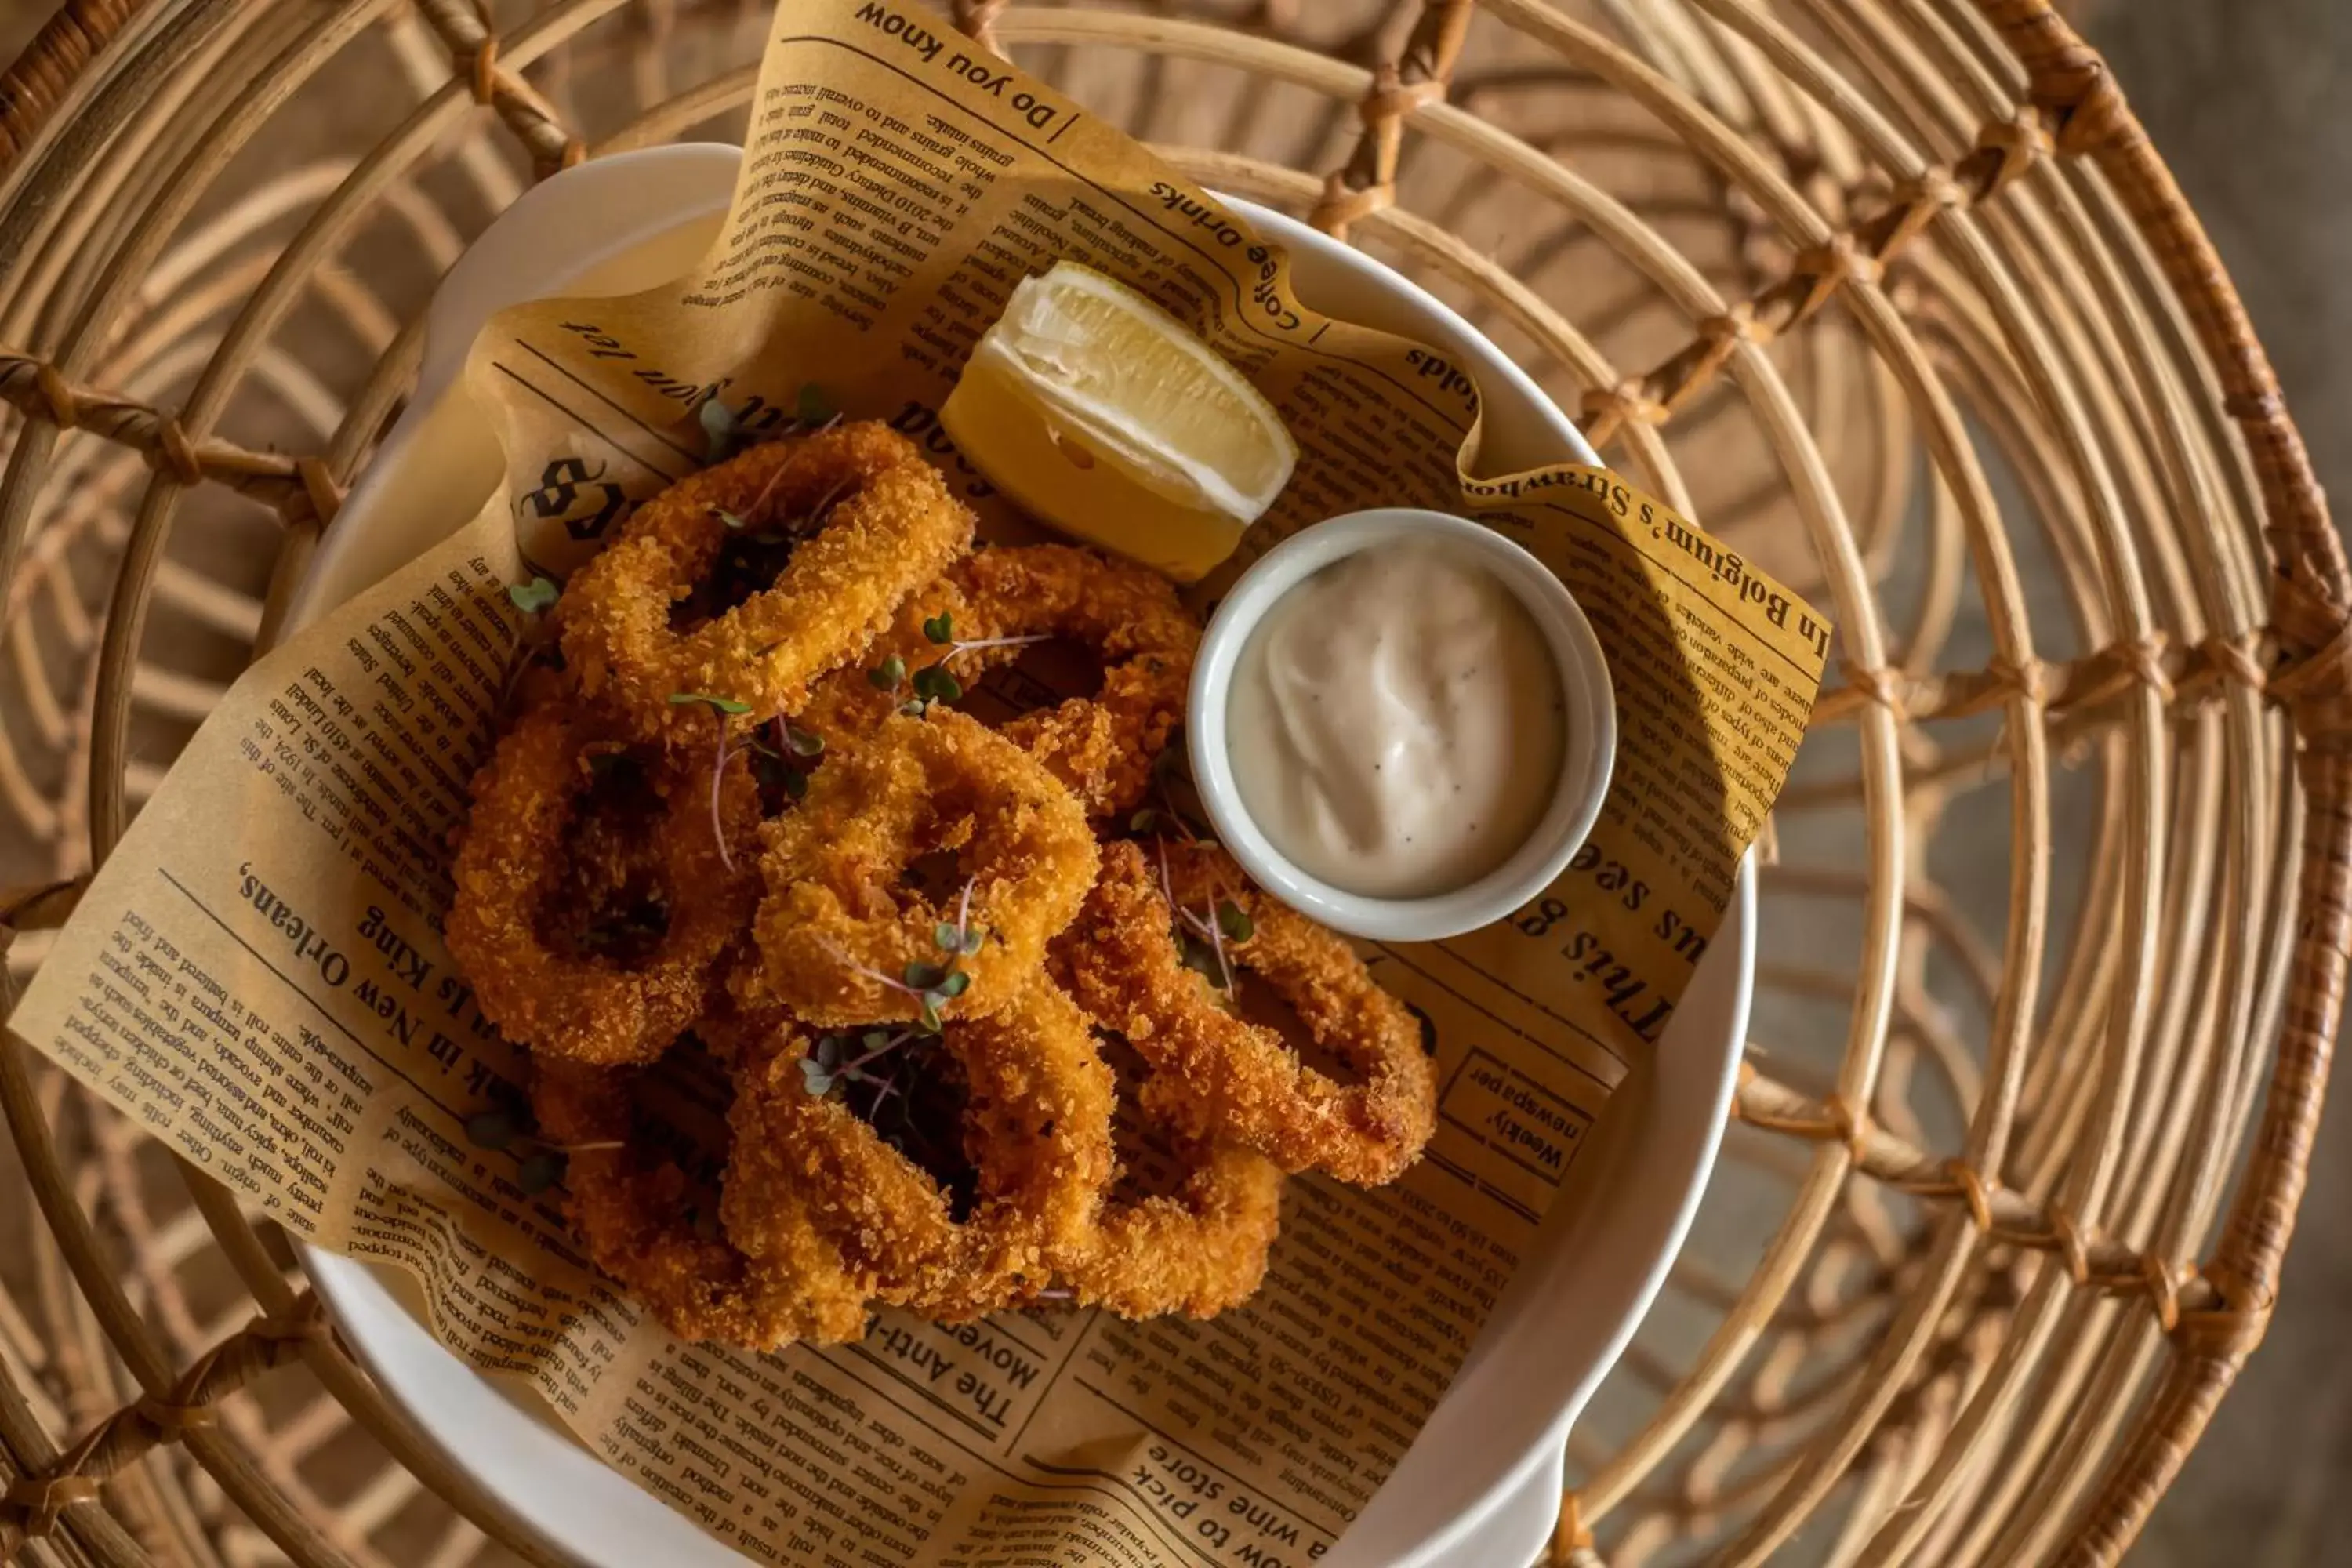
(1103, 416)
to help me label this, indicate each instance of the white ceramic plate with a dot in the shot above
(1481, 1486)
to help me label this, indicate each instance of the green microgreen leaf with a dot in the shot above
(972, 940)
(795, 784)
(731, 519)
(940, 628)
(803, 742)
(540, 1172)
(535, 595)
(934, 684)
(916, 709)
(949, 936)
(1144, 821)
(929, 1018)
(718, 704)
(886, 675)
(875, 1039)
(490, 1128)
(815, 405)
(720, 429)
(826, 1053)
(1234, 922)
(920, 976)
(814, 1077)
(954, 985)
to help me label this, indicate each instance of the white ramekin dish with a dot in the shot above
(1590, 743)
(1480, 1488)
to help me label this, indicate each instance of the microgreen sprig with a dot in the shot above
(540, 594)
(797, 528)
(825, 1065)
(1226, 920)
(793, 746)
(935, 682)
(941, 630)
(724, 432)
(728, 706)
(933, 984)
(540, 1164)
(720, 428)
(1165, 817)
(532, 598)
(931, 987)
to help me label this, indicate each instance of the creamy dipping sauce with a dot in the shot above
(1396, 721)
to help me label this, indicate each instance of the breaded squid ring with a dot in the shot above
(1197, 1249)
(1217, 1075)
(889, 526)
(1130, 615)
(1036, 1129)
(589, 1008)
(1101, 746)
(837, 932)
(627, 1205)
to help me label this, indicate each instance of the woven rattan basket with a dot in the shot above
(1895, 294)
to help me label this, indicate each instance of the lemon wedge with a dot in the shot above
(1103, 416)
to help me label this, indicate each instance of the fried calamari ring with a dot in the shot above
(838, 933)
(888, 526)
(510, 867)
(1218, 1075)
(1197, 1251)
(628, 1204)
(1197, 1248)
(1036, 1127)
(1101, 746)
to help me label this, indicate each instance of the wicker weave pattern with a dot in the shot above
(1914, 312)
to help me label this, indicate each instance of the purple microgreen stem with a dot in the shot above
(921, 998)
(718, 784)
(886, 1087)
(1207, 929)
(976, 643)
(879, 1052)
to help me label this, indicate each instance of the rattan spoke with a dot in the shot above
(298, 489)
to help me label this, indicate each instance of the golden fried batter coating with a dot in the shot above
(1198, 1249)
(602, 910)
(1130, 615)
(889, 525)
(838, 929)
(1217, 1075)
(1101, 746)
(1037, 1130)
(587, 1006)
(628, 1206)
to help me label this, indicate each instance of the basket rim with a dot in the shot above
(2215, 1318)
